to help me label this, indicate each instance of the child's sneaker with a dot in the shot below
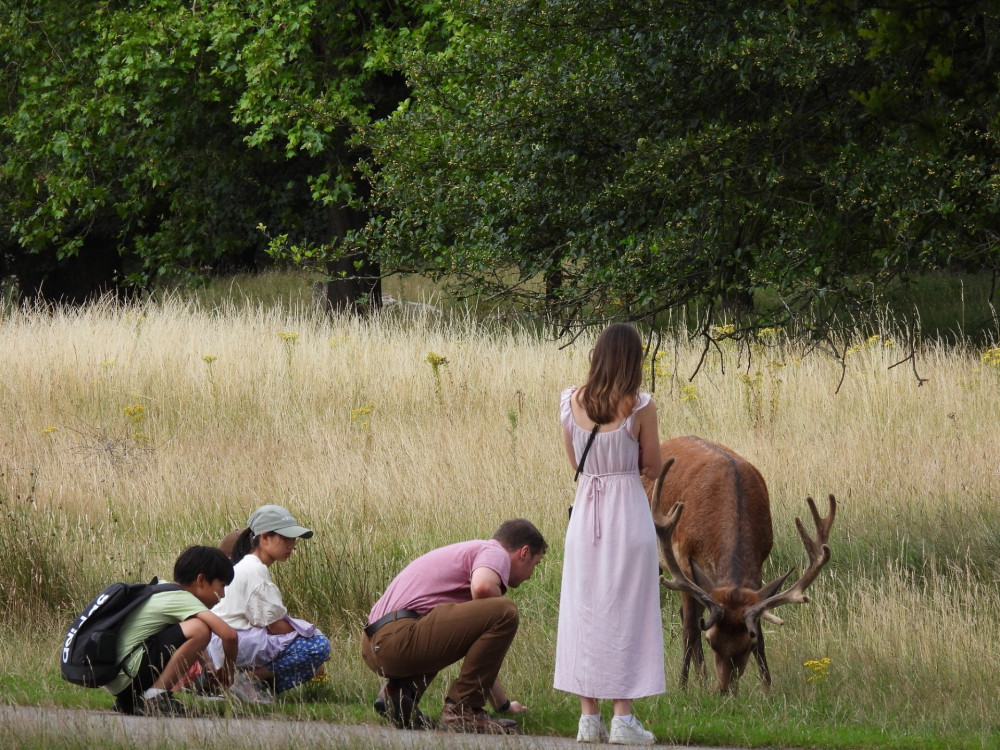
(592, 729)
(245, 689)
(623, 733)
(162, 704)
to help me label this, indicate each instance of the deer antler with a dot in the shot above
(678, 581)
(654, 498)
(818, 550)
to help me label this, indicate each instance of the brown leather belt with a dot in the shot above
(400, 614)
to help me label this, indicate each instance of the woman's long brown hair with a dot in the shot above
(612, 385)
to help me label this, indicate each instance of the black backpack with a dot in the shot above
(90, 648)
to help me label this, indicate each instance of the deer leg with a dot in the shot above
(686, 661)
(690, 616)
(761, 657)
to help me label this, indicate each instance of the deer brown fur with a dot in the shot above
(713, 520)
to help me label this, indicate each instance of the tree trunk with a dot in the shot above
(355, 281)
(355, 289)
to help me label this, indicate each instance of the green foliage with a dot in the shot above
(766, 163)
(591, 159)
(934, 89)
(175, 130)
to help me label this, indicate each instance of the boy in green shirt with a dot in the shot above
(168, 633)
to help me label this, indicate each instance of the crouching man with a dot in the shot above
(448, 605)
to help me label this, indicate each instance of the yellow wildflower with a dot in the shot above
(660, 369)
(359, 415)
(135, 412)
(820, 669)
(435, 360)
(991, 357)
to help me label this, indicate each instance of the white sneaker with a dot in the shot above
(629, 734)
(592, 729)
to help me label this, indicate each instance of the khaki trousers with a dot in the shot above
(413, 651)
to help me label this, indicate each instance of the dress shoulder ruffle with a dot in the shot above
(565, 407)
(642, 401)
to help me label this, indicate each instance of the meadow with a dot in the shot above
(132, 432)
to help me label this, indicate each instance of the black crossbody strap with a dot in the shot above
(583, 458)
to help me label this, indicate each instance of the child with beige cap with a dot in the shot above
(274, 649)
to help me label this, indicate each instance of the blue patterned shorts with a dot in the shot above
(300, 661)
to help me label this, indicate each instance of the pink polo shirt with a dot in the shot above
(442, 576)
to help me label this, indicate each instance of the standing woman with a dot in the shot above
(610, 639)
(275, 649)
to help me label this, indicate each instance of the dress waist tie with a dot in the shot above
(595, 489)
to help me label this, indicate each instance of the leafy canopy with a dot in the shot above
(592, 159)
(178, 130)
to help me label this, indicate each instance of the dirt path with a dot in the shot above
(58, 727)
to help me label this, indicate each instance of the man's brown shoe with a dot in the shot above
(459, 718)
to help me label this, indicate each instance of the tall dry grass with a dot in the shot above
(133, 432)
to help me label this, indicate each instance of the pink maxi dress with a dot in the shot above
(610, 638)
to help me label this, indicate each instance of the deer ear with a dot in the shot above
(700, 576)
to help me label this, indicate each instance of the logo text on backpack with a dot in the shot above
(83, 618)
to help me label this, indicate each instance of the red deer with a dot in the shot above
(722, 540)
